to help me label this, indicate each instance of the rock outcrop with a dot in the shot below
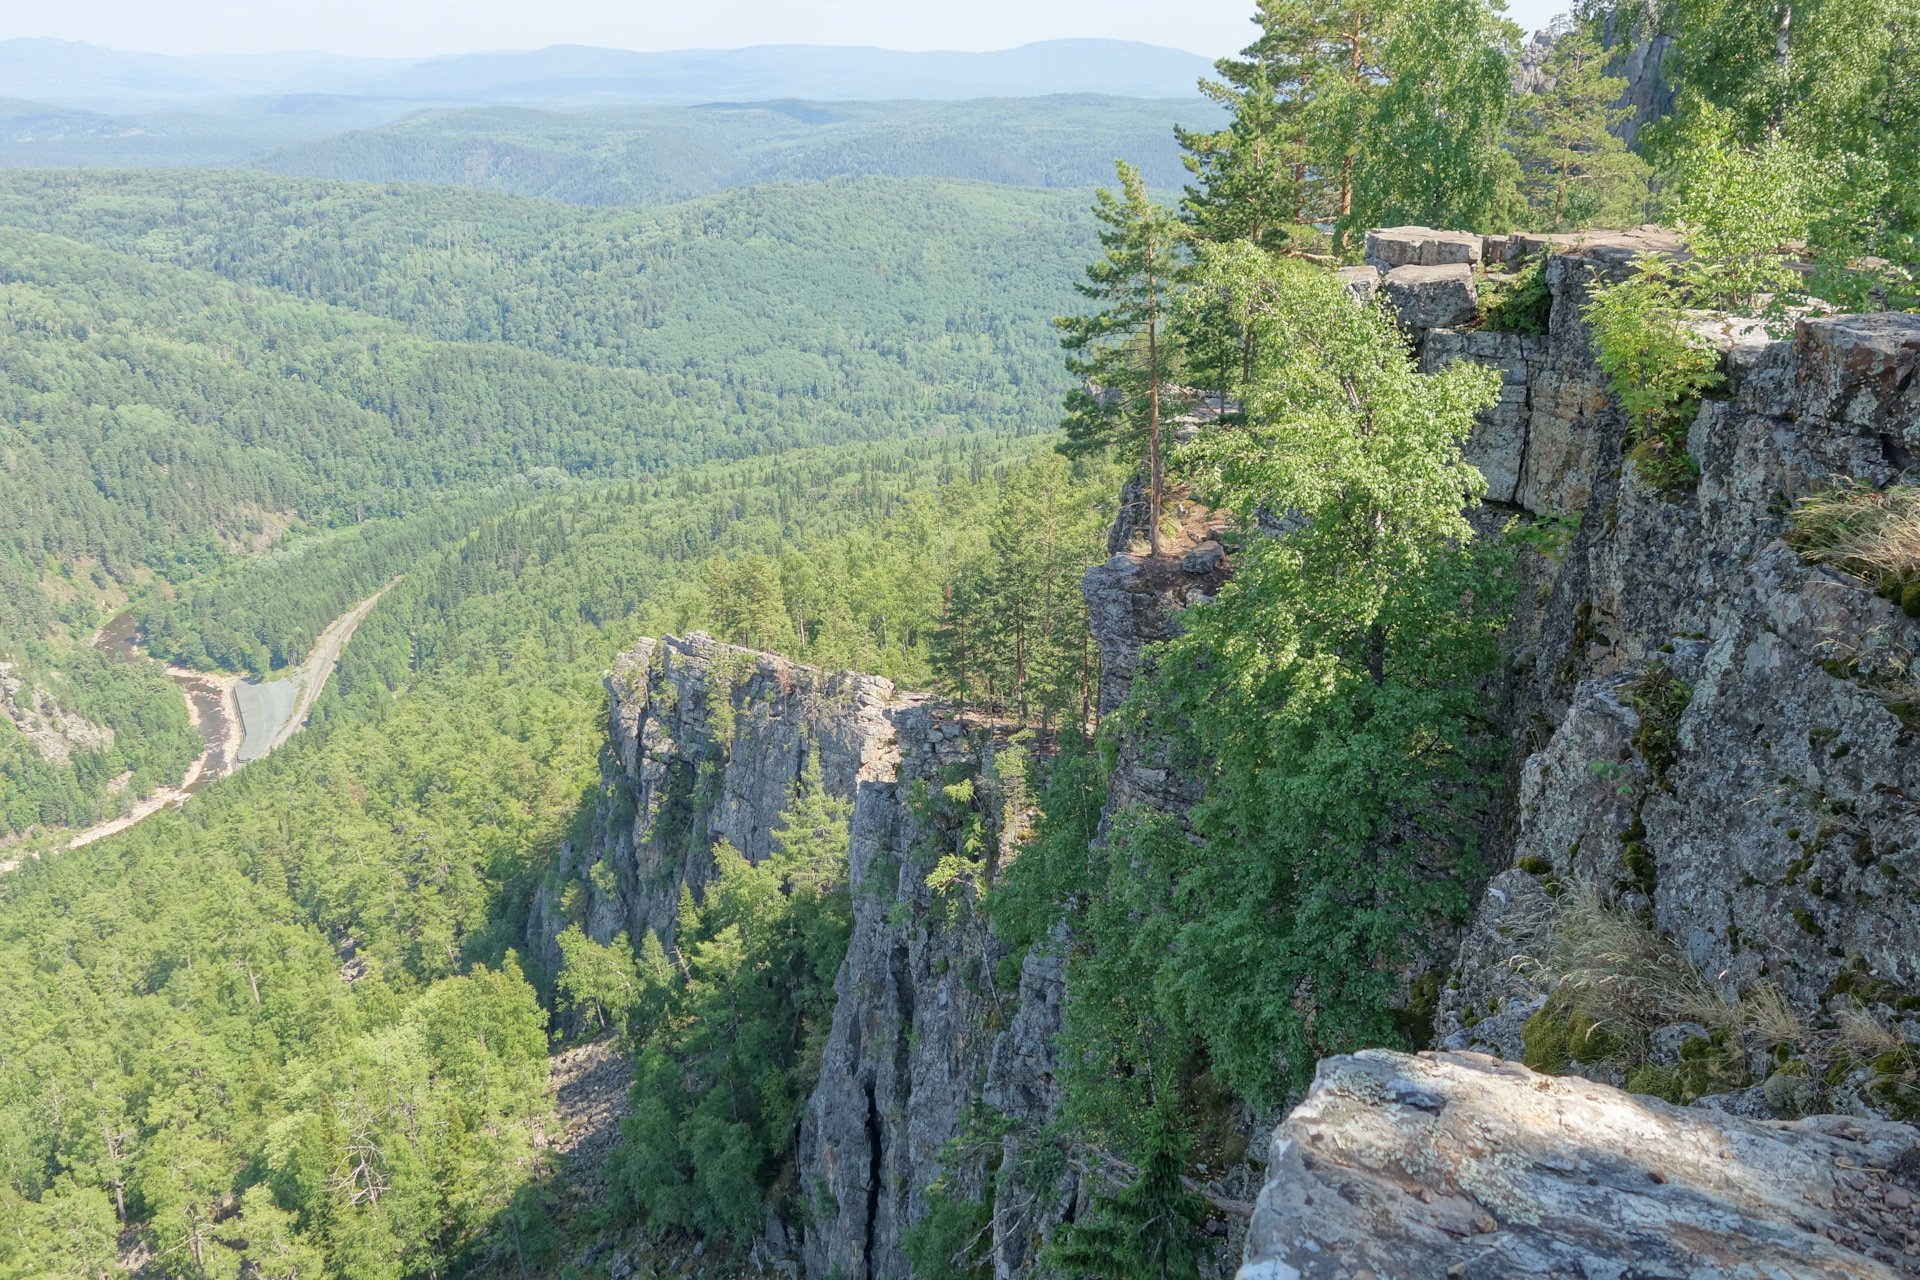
(1706, 727)
(1448, 1165)
(1759, 809)
(1635, 57)
(916, 1014)
(706, 741)
(56, 733)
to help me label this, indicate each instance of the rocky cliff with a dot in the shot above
(1708, 734)
(1703, 723)
(1717, 737)
(705, 743)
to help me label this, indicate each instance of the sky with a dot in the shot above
(419, 28)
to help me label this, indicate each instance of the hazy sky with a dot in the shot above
(420, 27)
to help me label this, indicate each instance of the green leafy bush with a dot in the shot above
(950, 1242)
(1656, 365)
(1520, 303)
(1739, 207)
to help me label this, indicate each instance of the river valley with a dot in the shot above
(240, 719)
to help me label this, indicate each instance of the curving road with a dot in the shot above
(240, 720)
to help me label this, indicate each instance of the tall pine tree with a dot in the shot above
(1122, 352)
(1574, 172)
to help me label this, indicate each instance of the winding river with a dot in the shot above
(240, 720)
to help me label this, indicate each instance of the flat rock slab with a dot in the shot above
(1423, 247)
(1448, 1165)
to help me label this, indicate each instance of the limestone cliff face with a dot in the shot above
(917, 1012)
(705, 742)
(1637, 58)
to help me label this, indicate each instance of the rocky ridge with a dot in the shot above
(705, 743)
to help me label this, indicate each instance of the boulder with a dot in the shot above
(1362, 282)
(1204, 558)
(1435, 297)
(1439, 1165)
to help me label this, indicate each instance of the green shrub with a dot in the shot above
(1708, 1064)
(1656, 365)
(950, 1243)
(1520, 304)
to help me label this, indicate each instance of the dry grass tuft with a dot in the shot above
(1865, 1036)
(1873, 534)
(1768, 1015)
(1614, 971)
(1625, 974)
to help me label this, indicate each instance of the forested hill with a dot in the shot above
(622, 155)
(221, 1023)
(648, 155)
(196, 366)
(371, 347)
(788, 287)
(74, 72)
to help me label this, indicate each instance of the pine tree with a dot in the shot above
(1574, 172)
(729, 1057)
(597, 977)
(1344, 43)
(1148, 1228)
(1251, 177)
(1122, 352)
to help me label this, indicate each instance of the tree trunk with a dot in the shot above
(1783, 61)
(1156, 477)
(1358, 83)
(1247, 343)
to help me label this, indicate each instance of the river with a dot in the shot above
(240, 720)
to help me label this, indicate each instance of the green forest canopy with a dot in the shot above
(199, 365)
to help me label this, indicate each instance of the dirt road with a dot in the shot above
(239, 720)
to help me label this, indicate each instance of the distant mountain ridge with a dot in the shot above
(660, 154)
(71, 73)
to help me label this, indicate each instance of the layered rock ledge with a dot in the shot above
(1459, 1165)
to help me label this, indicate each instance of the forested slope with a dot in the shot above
(806, 280)
(310, 970)
(227, 361)
(652, 155)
